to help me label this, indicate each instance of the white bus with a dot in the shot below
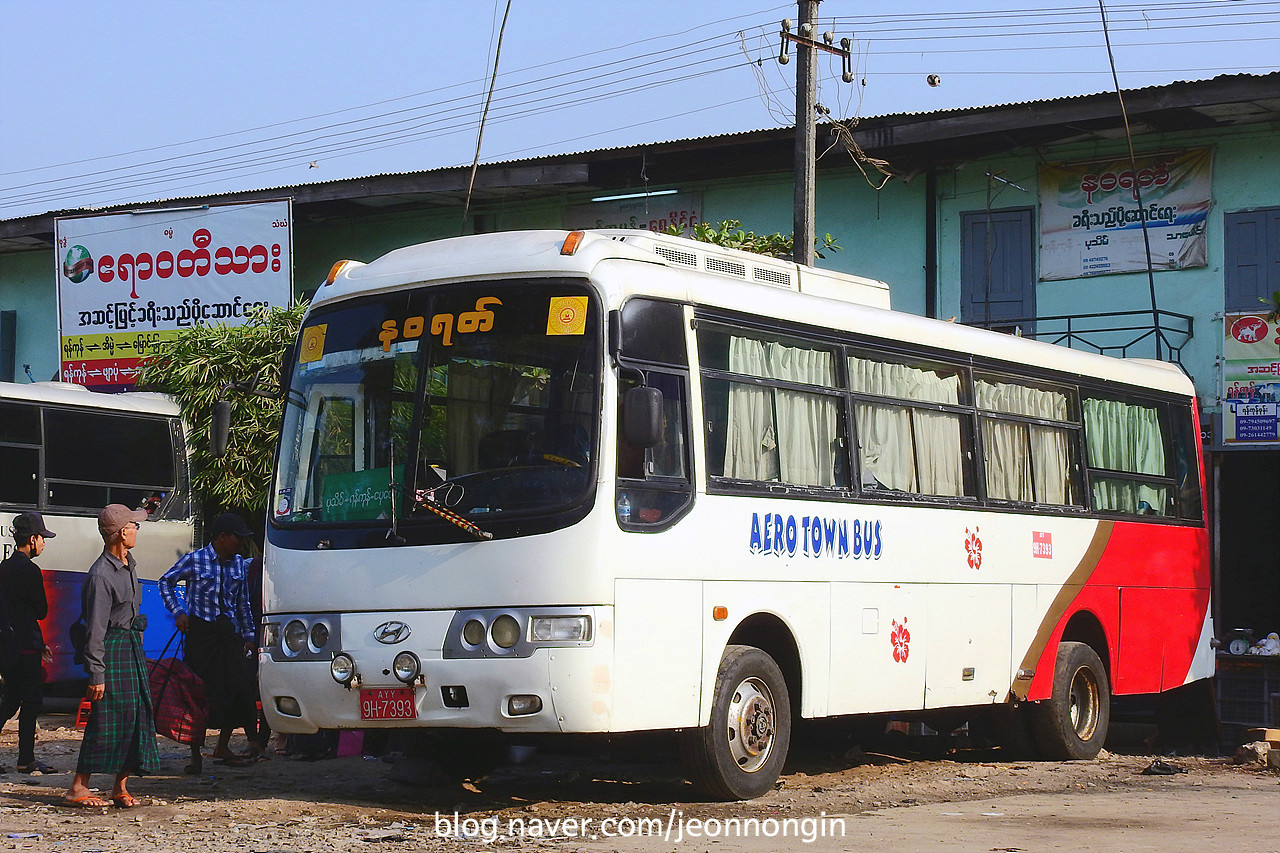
(67, 452)
(611, 481)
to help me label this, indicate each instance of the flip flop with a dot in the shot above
(35, 767)
(87, 801)
(126, 801)
(195, 768)
(234, 761)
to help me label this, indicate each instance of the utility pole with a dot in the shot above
(806, 126)
(806, 135)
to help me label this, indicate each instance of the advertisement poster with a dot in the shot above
(652, 213)
(127, 282)
(1250, 379)
(1091, 224)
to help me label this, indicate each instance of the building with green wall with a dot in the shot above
(955, 229)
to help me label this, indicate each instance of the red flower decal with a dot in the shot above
(901, 639)
(973, 546)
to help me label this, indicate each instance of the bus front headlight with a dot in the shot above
(547, 629)
(295, 636)
(505, 631)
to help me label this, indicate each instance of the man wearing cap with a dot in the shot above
(220, 633)
(120, 737)
(24, 605)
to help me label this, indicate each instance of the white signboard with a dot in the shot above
(652, 213)
(129, 281)
(1091, 224)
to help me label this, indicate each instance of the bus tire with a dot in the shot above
(1072, 723)
(740, 754)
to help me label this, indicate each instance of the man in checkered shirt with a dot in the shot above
(220, 635)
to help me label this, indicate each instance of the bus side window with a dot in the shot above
(1186, 464)
(93, 458)
(907, 441)
(655, 480)
(1125, 448)
(19, 454)
(1028, 462)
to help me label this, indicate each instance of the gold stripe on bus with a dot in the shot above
(1066, 594)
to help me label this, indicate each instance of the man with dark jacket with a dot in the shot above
(25, 604)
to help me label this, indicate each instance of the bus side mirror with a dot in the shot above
(220, 428)
(642, 416)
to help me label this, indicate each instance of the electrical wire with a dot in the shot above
(525, 95)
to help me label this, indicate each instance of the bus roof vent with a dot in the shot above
(772, 276)
(676, 256)
(721, 265)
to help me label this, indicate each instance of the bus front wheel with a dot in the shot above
(739, 755)
(1072, 724)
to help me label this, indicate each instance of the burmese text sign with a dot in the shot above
(129, 281)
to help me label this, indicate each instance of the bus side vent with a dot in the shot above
(727, 267)
(676, 256)
(769, 276)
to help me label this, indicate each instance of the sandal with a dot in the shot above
(233, 761)
(87, 801)
(195, 768)
(126, 801)
(35, 767)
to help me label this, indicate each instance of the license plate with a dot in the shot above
(387, 703)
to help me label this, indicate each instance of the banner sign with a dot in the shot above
(1250, 379)
(127, 282)
(654, 213)
(1091, 224)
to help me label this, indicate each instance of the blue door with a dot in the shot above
(1251, 258)
(997, 270)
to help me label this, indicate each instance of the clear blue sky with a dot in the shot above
(135, 100)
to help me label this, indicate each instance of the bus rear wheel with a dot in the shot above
(1072, 724)
(739, 755)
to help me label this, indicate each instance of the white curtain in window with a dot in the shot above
(933, 465)
(800, 445)
(1024, 462)
(1124, 437)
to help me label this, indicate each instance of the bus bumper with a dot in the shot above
(559, 689)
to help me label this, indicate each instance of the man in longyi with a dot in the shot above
(217, 620)
(120, 737)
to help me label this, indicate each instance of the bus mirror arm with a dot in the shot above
(220, 426)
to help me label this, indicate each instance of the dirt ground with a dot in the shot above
(350, 804)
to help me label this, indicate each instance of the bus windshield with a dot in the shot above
(479, 398)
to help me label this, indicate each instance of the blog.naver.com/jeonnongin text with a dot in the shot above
(673, 827)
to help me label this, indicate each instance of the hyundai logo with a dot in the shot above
(390, 633)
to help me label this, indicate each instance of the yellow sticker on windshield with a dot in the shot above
(567, 315)
(312, 348)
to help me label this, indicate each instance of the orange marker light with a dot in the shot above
(719, 613)
(335, 271)
(572, 242)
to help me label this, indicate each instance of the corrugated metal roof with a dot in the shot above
(23, 233)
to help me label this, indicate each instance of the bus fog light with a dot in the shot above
(523, 704)
(560, 628)
(342, 668)
(319, 636)
(406, 667)
(505, 631)
(473, 632)
(288, 706)
(295, 636)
